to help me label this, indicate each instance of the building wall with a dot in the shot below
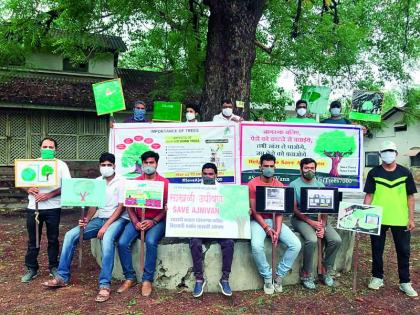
(44, 61)
(103, 65)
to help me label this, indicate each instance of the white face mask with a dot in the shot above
(106, 171)
(335, 111)
(301, 111)
(190, 116)
(227, 112)
(388, 157)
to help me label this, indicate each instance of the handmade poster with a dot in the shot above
(337, 150)
(317, 98)
(366, 106)
(36, 173)
(240, 104)
(319, 200)
(108, 96)
(274, 199)
(83, 192)
(360, 218)
(143, 194)
(183, 149)
(208, 211)
(167, 111)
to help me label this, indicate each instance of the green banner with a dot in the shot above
(108, 96)
(317, 98)
(167, 111)
(83, 192)
(366, 106)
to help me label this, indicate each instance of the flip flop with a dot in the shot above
(54, 283)
(101, 297)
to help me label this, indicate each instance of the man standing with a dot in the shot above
(153, 225)
(49, 206)
(191, 113)
(105, 223)
(310, 228)
(209, 177)
(262, 227)
(227, 113)
(392, 187)
(336, 118)
(301, 111)
(139, 113)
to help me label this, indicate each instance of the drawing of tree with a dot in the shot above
(47, 170)
(28, 174)
(335, 145)
(131, 156)
(83, 188)
(235, 206)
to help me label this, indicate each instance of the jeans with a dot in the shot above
(287, 237)
(125, 242)
(51, 217)
(196, 246)
(402, 246)
(71, 239)
(331, 237)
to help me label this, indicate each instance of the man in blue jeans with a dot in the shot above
(262, 227)
(107, 225)
(153, 225)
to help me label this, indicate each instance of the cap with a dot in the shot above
(388, 145)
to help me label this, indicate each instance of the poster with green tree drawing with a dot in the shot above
(317, 98)
(167, 111)
(360, 218)
(109, 97)
(366, 106)
(36, 173)
(83, 192)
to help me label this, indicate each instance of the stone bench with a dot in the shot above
(174, 263)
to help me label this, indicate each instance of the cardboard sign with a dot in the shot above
(366, 106)
(36, 173)
(360, 218)
(143, 194)
(167, 111)
(319, 200)
(108, 96)
(317, 98)
(83, 192)
(279, 200)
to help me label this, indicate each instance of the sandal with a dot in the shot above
(54, 283)
(103, 295)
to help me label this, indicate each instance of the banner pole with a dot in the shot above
(143, 213)
(81, 232)
(319, 245)
(273, 249)
(355, 261)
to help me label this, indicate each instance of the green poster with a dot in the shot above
(360, 218)
(366, 106)
(317, 98)
(83, 192)
(109, 96)
(167, 111)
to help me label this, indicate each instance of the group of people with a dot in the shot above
(389, 185)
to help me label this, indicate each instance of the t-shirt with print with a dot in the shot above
(252, 185)
(114, 195)
(390, 190)
(54, 202)
(297, 184)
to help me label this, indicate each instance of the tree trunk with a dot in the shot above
(230, 52)
(334, 166)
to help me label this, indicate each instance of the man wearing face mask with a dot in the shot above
(153, 225)
(191, 113)
(49, 207)
(262, 227)
(310, 228)
(105, 223)
(392, 187)
(336, 118)
(209, 177)
(227, 113)
(301, 114)
(139, 113)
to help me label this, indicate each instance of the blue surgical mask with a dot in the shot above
(209, 180)
(335, 111)
(149, 170)
(268, 172)
(139, 114)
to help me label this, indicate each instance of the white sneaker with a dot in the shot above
(375, 283)
(408, 289)
(278, 284)
(268, 287)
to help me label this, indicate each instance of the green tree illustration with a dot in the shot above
(235, 206)
(83, 188)
(28, 174)
(47, 170)
(335, 145)
(131, 156)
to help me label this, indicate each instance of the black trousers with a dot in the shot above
(51, 217)
(402, 246)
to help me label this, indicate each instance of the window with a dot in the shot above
(415, 160)
(371, 159)
(400, 127)
(78, 67)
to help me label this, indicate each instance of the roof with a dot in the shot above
(114, 43)
(391, 112)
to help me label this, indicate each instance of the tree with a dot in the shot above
(335, 145)
(28, 174)
(83, 188)
(131, 156)
(47, 170)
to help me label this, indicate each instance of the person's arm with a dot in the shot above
(411, 203)
(45, 196)
(368, 199)
(258, 217)
(88, 216)
(317, 225)
(133, 216)
(112, 218)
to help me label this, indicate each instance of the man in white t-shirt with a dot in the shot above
(105, 223)
(227, 113)
(49, 213)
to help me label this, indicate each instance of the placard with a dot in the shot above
(278, 200)
(83, 192)
(360, 218)
(367, 106)
(208, 211)
(167, 111)
(143, 194)
(36, 173)
(317, 98)
(319, 200)
(109, 97)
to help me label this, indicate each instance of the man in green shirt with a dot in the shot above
(392, 187)
(301, 111)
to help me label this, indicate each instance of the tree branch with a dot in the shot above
(295, 26)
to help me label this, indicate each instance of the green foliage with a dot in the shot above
(47, 170)
(132, 154)
(334, 143)
(28, 174)
(235, 203)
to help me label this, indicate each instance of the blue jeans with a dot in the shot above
(287, 237)
(152, 238)
(71, 239)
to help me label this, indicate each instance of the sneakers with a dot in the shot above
(225, 287)
(308, 283)
(53, 272)
(268, 286)
(29, 275)
(199, 288)
(375, 283)
(327, 279)
(408, 289)
(278, 284)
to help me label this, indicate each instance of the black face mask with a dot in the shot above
(209, 180)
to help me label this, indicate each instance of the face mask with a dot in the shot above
(149, 170)
(106, 171)
(190, 116)
(301, 111)
(388, 157)
(335, 111)
(309, 175)
(47, 154)
(227, 112)
(209, 180)
(139, 114)
(268, 172)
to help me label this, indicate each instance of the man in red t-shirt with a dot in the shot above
(154, 225)
(262, 227)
